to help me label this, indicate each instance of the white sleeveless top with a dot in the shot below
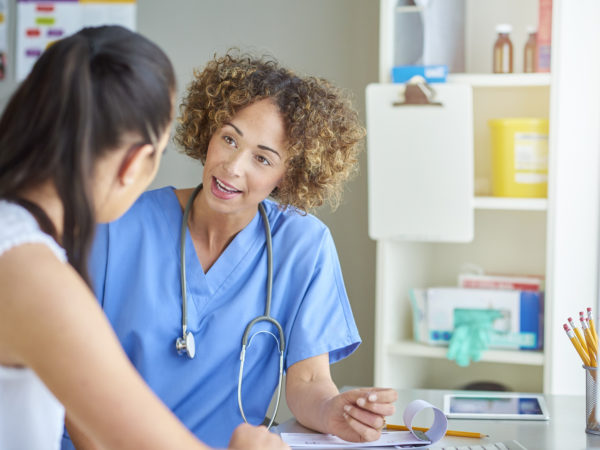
(30, 416)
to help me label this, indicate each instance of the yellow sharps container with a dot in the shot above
(519, 157)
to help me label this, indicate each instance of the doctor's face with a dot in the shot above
(245, 160)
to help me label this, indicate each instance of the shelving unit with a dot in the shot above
(550, 237)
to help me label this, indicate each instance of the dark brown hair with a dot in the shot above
(83, 96)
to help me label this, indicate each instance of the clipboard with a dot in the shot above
(420, 162)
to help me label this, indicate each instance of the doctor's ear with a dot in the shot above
(134, 163)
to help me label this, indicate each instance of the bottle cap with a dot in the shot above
(503, 28)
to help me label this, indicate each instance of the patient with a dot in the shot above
(80, 139)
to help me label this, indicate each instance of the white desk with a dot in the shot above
(564, 431)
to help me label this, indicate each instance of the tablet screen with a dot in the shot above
(495, 405)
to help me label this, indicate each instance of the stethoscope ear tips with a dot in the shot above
(186, 345)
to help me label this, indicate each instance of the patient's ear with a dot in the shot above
(135, 163)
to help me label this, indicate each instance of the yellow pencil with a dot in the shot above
(592, 349)
(582, 353)
(592, 327)
(470, 434)
(580, 337)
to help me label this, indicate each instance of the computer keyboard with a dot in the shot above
(506, 445)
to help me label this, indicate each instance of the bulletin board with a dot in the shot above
(41, 22)
(3, 43)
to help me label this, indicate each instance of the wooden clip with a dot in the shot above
(418, 92)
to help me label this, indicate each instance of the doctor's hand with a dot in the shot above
(359, 415)
(247, 437)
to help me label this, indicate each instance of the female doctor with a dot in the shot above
(260, 131)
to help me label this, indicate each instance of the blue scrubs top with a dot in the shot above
(135, 267)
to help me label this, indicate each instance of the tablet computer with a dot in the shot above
(495, 406)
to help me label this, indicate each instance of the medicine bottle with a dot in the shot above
(503, 50)
(529, 52)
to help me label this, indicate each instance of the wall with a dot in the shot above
(335, 39)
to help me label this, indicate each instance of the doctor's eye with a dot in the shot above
(262, 160)
(230, 141)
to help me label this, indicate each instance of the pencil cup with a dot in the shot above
(591, 421)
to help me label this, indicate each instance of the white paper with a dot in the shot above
(388, 439)
(406, 439)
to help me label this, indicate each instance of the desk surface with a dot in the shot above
(564, 431)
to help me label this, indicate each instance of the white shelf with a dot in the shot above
(501, 80)
(400, 9)
(411, 348)
(508, 203)
(512, 235)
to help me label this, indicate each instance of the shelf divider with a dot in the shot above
(501, 80)
(417, 349)
(509, 203)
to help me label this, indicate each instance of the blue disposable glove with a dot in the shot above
(471, 335)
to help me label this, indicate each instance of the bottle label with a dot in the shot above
(505, 59)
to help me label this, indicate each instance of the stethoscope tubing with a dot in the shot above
(186, 344)
(186, 214)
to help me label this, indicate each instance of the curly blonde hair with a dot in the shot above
(323, 132)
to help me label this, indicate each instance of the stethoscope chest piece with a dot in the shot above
(186, 345)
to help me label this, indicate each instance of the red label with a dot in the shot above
(44, 8)
(33, 32)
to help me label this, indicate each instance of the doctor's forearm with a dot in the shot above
(308, 401)
(309, 388)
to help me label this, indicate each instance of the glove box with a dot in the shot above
(519, 324)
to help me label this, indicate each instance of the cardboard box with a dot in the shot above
(491, 281)
(432, 74)
(544, 35)
(520, 327)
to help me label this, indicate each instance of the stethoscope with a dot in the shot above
(186, 343)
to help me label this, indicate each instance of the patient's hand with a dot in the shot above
(247, 437)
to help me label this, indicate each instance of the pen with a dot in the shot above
(580, 337)
(582, 354)
(592, 327)
(470, 434)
